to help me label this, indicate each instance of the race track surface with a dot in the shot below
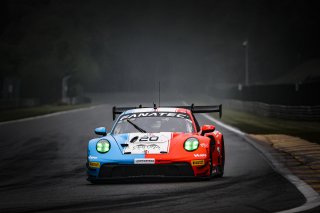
(43, 170)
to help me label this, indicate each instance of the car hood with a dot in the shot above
(144, 143)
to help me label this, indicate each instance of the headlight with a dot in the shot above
(103, 146)
(191, 144)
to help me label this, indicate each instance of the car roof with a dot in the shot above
(159, 109)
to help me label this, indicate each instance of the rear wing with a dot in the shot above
(192, 108)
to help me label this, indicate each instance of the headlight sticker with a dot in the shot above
(103, 146)
(191, 144)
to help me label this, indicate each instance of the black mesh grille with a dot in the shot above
(134, 170)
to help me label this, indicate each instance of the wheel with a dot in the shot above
(211, 166)
(218, 171)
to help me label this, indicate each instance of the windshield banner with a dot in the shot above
(154, 114)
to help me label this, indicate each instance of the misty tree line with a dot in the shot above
(40, 45)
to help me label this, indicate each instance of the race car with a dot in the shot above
(148, 142)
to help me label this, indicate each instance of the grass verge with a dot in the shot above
(14, 114)
(254, 124)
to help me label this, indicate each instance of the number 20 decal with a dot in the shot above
(146, 138)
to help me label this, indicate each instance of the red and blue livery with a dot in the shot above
(157, 142)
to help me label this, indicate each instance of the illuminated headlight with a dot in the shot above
(103, 146)
(191, 144)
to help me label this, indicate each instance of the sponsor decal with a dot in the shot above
(144, 161)
(155, 114)
(142, 147)
(197, 162)
(200, 155)
(204, 145)
(94, 164)
(92, 157)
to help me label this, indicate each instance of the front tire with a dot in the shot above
(218, 171)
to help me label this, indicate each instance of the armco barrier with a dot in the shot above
(303, 94)
(310, 113)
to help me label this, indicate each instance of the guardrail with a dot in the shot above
(310, 113)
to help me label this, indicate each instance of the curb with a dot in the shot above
(312, 197)
(300, 156)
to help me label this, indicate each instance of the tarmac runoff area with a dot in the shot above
(301, 157)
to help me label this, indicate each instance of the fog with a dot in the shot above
(111, 46)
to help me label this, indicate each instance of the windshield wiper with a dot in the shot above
(135, 126)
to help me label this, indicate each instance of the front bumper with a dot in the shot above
(143, 171)
(134, 170)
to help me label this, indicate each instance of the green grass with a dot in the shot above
(13, 114)
(254, 124)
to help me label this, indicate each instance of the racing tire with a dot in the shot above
(211, 166)
(218, 171)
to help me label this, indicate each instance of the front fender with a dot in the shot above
(218, 152)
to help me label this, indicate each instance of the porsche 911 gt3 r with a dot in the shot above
(156, 142)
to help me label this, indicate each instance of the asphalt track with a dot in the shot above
(43, 170)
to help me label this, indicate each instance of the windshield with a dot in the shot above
(132, 123)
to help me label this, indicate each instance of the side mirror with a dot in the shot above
(207, 128)
(100, 131)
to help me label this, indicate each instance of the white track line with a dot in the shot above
(46, 115)
(312, 197)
